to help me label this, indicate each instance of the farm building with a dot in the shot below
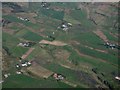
(65, 26)
(118, 78)
(110, 45)
(45, 5)
(58, 76)
(5, 22)
(23, 19)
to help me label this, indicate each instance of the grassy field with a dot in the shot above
(32, 36)
(54, 14)
(110, 37)
(93, 62)
(72, 75)
(108, 57)
(13, 18)
(9, 41)
(81, 16)
(23, 81)
(19, 51)
(28, 35)
(83, 53)
(16, 28)
(102, 67)
(69, 5)
(70, 19)
(40, 53)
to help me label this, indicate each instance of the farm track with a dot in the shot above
(56, 43)
(103, 51)
(27, 53)
(88, 12)
(113, 35)
(101, 35)
(69, 83)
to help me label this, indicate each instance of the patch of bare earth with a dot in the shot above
(8, 31)
(39, 71)
(74, 42)
(6, 60)
(56, 43)
(101, 35)
(66, 66)
(103, 51)
(67, 11)
(6, 10)
(62, 54)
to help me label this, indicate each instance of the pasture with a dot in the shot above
(74, 53)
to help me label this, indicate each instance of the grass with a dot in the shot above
(35, 52)
(81, 16)
(87, 38)
(42, 56)
(83, 34)
(102, 66)
(23, 81)
(107, 57)
(110, 37)
(9, 41)
(18, 51)
(32, 36)
(68, 18)
(21, 33)
(52, 13)
(28, 35)
(70, 74)
(40, 53)
(16, 28)
(13, 18)
(68, 5)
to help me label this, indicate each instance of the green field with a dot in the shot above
(32, 36)
(13, 18)
(108, 57)
(85, 61)
(110, 37)
(81, 16)
(28, 35)
(53, 14)
(94, 63)
(23, 81)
